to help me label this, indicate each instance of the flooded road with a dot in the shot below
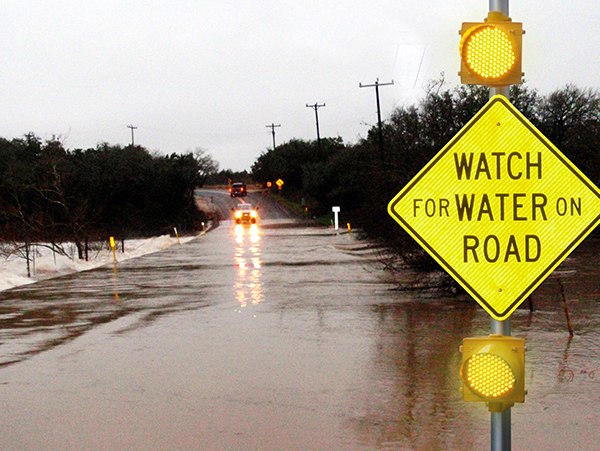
(281, 337)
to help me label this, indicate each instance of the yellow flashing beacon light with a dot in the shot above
(493, 371)
(490, 51)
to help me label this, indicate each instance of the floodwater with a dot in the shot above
(281, 338)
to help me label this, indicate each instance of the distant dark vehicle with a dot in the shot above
(238, 189)
(245, 214)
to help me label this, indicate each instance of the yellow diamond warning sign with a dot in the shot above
(499, 207)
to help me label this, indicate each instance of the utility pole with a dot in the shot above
(376, 86)
(316, 107)
(500, 430)
(132, 129)
(272, 127)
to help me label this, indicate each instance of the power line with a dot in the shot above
(272, 127)
(316, 107)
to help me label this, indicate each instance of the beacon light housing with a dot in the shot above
(491, 51)
(492, 370)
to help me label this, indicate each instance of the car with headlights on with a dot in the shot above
(245, 214)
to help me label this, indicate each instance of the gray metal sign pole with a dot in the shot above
(500, 421)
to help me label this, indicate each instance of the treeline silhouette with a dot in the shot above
(50, 194)
(362, 178)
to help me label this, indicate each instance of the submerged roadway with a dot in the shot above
(273, 337)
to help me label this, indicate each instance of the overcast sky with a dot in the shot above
(214, 74)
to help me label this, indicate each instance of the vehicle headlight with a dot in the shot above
(238, 214)
(253, 214)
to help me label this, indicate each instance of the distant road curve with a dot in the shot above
(220, 202)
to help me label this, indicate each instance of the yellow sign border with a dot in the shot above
(545, 272)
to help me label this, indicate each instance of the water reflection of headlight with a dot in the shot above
(241, 263)
(254, 233)
(239, 234)
(248, 287)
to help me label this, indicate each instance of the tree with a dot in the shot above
(228, 176)
(570, 119)
(289, 161)
(50, 194)
(206, 165)
(565, 113)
